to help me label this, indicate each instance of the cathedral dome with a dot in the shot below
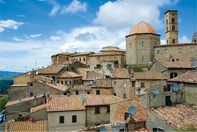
(142, 27)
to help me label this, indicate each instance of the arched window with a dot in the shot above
(31, 94)
(84, 59)
(173, 75)
(79, 59)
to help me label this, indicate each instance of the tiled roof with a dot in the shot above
(120, 73)
(84, 53)
(93, 78)
(149, 75)
(177, 116)
(50, 70)
(84, 69)
(82, 87)
(102, 83)
(100, 72)
(121, 107)
(108, 53)
(180, 44)
(37, 108)
(19, 85)
(56, 86)
(73, 102)
(22, 100)
(69, 74)
(188, 77)
(23, 126)
(177, 64)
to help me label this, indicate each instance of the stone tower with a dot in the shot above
(171, 27)
(140, 44)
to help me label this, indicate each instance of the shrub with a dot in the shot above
(137, 69)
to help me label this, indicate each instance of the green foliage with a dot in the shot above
(116, 62)
(137, 69)
(190, 128)
(3, 102)
(98, 66)
(4, 85)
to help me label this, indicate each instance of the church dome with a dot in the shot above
(142, 27)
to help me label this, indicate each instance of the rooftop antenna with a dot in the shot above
(103, 129)
(175, 87)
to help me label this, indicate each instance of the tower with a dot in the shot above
(171, 27)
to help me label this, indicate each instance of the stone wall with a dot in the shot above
(103, 90)
(40, 115)
(191, 93)
(92, 118)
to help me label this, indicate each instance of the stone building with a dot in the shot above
(171, 69)
(146, 80)
(67, 113)
(188, 83)
(37, 86)
(60, 58)
(39, 112)
(140, 44)
(81, 89)
(122, 84)
(194, 38)
(171, 26)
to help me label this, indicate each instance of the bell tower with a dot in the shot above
(171, 27)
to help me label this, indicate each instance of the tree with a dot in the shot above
(98, 66)
(3, 102)
(190, 128)
(137, 69)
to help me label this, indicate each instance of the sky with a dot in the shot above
(31, 31)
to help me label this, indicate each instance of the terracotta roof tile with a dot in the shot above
(22, 100)
(177, 64)
(120, 73)
(177, 116)
(84, 69)
(188, 77)
(13, 126)
(84, 53)
(93, 78)
(37, 108)
(149, 75)
(102, 83)
(50, 70)
(108, 53)
(73, 102)
(82, 87)
(69, 74)
(100, 72)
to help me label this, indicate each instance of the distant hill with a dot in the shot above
(6, 79)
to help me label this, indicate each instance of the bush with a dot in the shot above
(3, 102)
(98, 66)
(116, 62)
(137, 69)
(190, 128)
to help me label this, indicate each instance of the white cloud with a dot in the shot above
(21, 15)
(163, 41)
(54, 10)
(2, 68)
(25, 35)
(127, 13)
(9, 24)
(74, 7)
(17, 39)
(35, 35)
(55, 38)
(184, 39)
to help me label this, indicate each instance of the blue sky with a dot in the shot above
(33, 30)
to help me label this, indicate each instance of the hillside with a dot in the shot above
(6, 79)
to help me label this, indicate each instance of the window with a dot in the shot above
(142, 58)
(97, 124)
(173, 75)
(173, 28)
(31, 94)
(77, 92)
(61, 119)
(114, 83)
(142, 44)
(108, 109)
(67, 58)
(179, 50)
(61, 82)
(53, 77)
(142, 85)
(172, 20)
(177, 59)
(168, 101)
(124, 83)
(158, 130)
(133, 84)
(181, 95)
(84, 59)
(172, 60)
(88, 59)
(166, 50)
(173, 41)
(114, 94)
(48, 76)
(114, 58)
(130, 45)
(79, 59)
(103, 58)
(65, 82)
(88, 92)
(98, 58)
(191, 49)
(97, 92)
(158, 51)
(31, 84)
(74, 81)
(58, 81)
(124, 96)
(74, 118)
(60, 58)
(166, 21)
(109, 58)
(166, 88)
(172, 14)
(97, 110)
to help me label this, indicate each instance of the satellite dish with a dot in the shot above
(29, 73)
(103, 129)
(127, 67)
(82, 98)
(120, 69)
(149, 62)
(193, 65)
(175, 87)
(37, 73)
(132, 110)
(195, 59)
(156, 90)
